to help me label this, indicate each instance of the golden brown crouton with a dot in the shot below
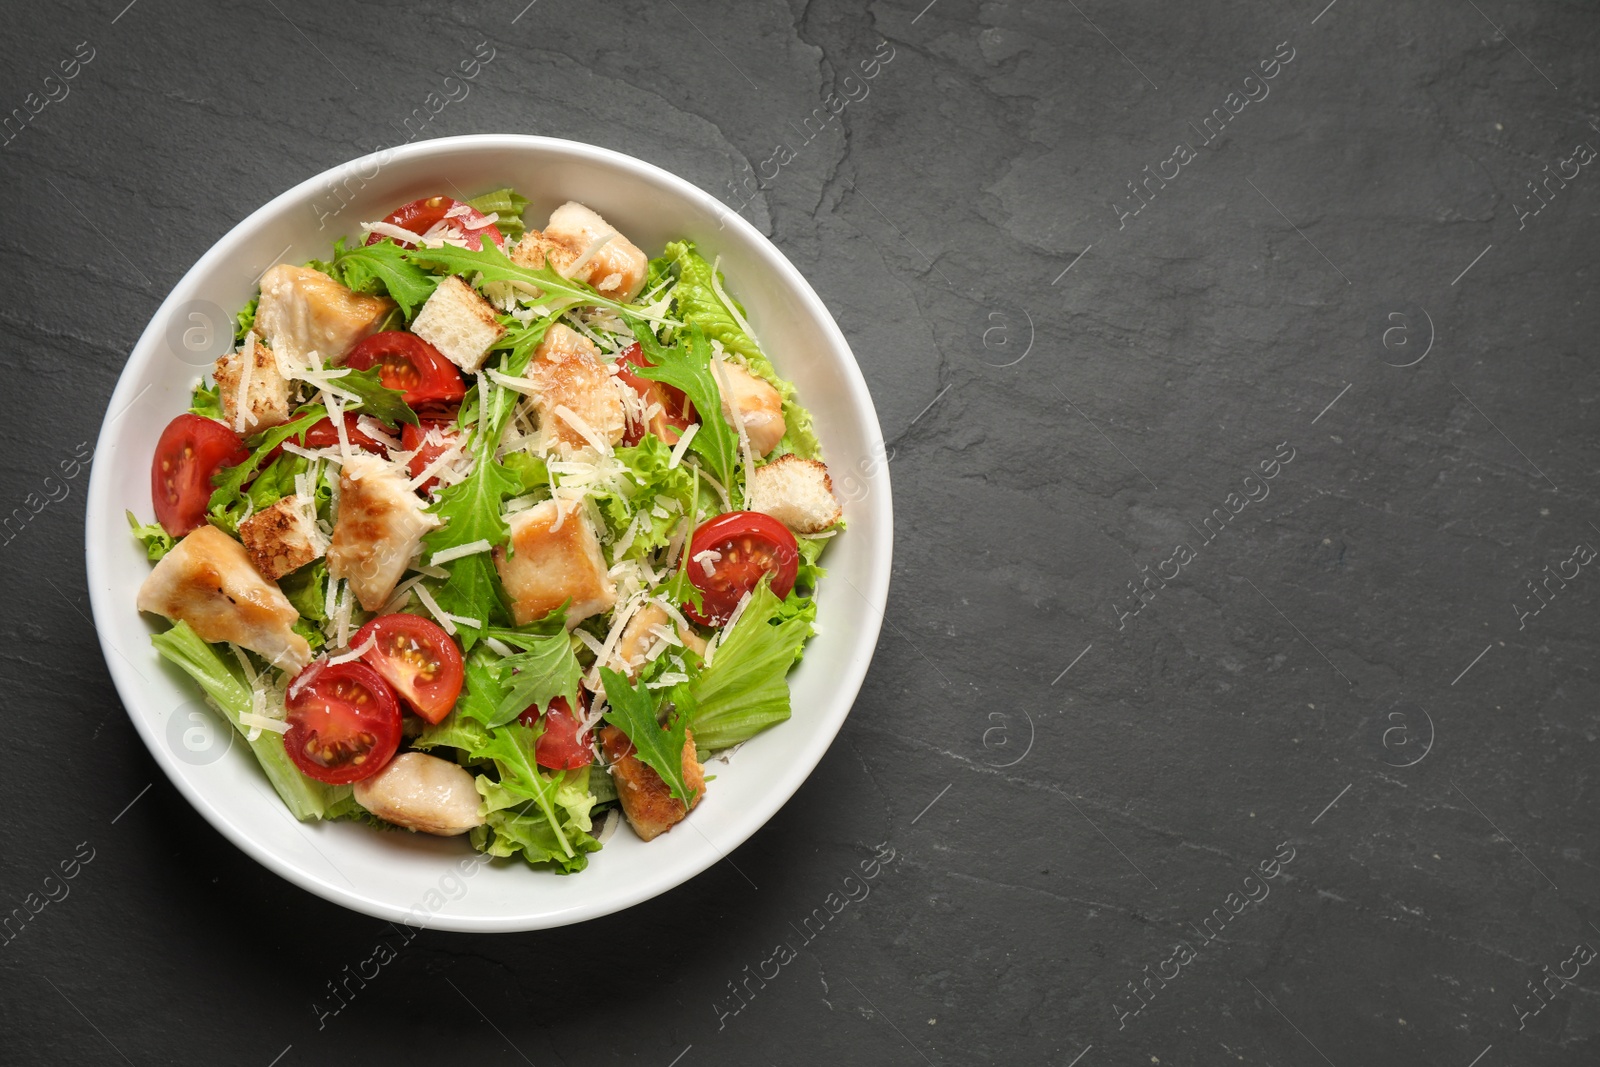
(280, 538)
(257, 401)
(459, 323)
(648, 803)
(797, 492)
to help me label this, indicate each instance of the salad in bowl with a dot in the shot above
(487, 531)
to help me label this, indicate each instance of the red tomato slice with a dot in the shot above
(750, 545)
(420, 216)
(562, 747)
(344, 722)
(408, 363)
(190, 451)
(676, 412)
(417, 658)
(414, 439)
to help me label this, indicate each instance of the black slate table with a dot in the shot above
(1236, 701)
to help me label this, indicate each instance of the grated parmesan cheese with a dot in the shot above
(471, 548)
(683, 445)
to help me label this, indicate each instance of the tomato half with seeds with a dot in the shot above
(676, 413)
(344, 722)
(414, 439)
(564, 745)
(465, 221)
(408, 363)
(417, 658)
(728, 556)
(192, 448)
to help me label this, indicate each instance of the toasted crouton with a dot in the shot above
(281, 538)
(208, 581)
(554, 556)
(641, 640)
(797, 492)
(255, 400)
(616, 268)
(567, 372)
(648, 803)
(379, 528)
(758, 403)
(459, 323)
(422, 792)
(304, 311)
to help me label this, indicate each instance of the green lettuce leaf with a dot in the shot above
(509, 206)
(225, 685)
(380, 269)
(633, 711)
(513, 829)
(695, 303)
(157, 542)
(453, 731)
(307, 590)
(512, 749)
(688, 367)
(245, 321)
(745, 690)
(206, 401)
(651, 481)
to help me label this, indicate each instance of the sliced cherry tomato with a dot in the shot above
(749, 545)
(420, 216)
(408, 363)
(676, 414)
(417, 658)
(344, 722)
(414, 439)
(563, 746)
(191, 449)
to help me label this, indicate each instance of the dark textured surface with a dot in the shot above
(1079, 823)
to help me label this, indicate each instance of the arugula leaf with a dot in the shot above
(157, 542)
(222, 682)
(378, 400)
(512, 749)
(381, 268)
(227, 498)
(745, 690)
(206, 402)
(633, 711)
(483, 687)
(509, 206)
(695, 303)
(547, 670)
(495, 266)
(471, 512)
(688, 367)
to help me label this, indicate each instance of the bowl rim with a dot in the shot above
(101, 516)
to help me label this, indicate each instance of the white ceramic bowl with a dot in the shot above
(413, 877)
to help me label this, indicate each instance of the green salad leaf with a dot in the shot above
(379, 269)
(509, 206)
(652, 482)
(547, 670)
(745, 690)
(225, 685)
(495, 266)
(378, 400)
(688, 367)
(633, 711)
(157, 542)
(696, 304)
(226, 507)
(206, 401)
(245, 321)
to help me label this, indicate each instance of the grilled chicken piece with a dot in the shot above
(617, 269)
(304, 311)
(256, 401)
(422, 792)
(207, 581)
(651, 808)
(380, 526)
(758, 402)
(640, 638)
(567, 372)
(554, 555)
(797, 492)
